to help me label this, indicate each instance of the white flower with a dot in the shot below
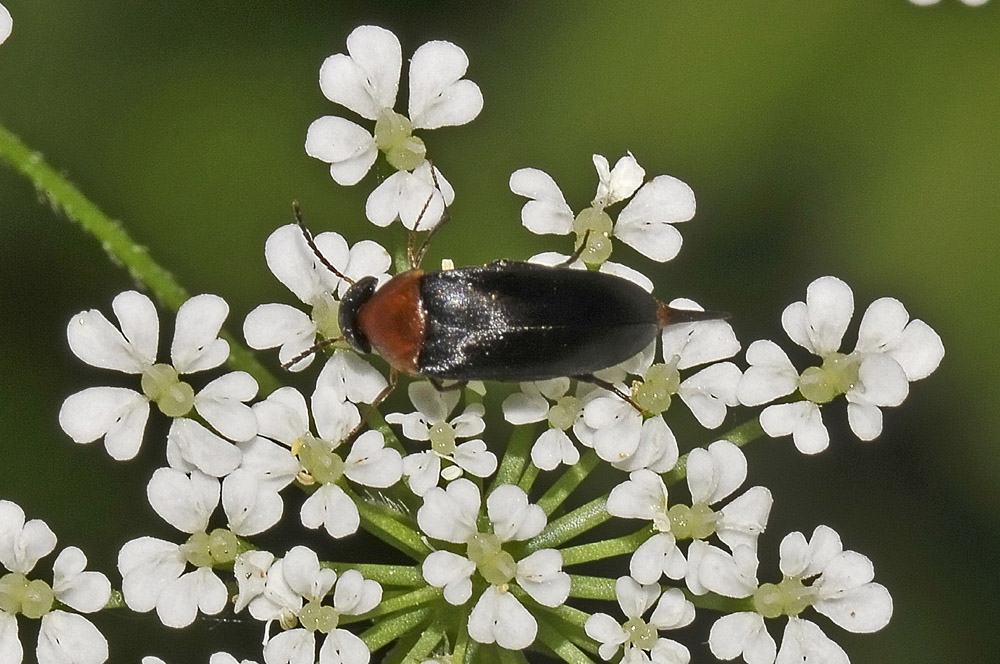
(119, 414)
(294, 263)
(553, 447)
(284, 417)
(891, 352)
(62, 636)
(645, 223)
(713, 474)
(366, 81)
(640, 639)
(6, 24)
(295, 590)
(153, 570)
(430, 423)
(417, 199)
(817, 573)
(498, 617)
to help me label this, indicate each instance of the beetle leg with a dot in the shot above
(315, 348)
(610, 387)
(441, 387)
(373, 406)
(414, 252)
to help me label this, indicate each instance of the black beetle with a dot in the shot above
(505, 321)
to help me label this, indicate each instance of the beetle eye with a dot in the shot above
(355, 297)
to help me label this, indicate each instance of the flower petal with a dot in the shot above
(116, 413)
(349, 149)
(547, 212)
(367, 80)
(645, 222)
(97, 342)
(70, 638)
(439, 96)
(196, 345)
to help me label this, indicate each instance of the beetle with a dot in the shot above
(507, 321)
(504, 321)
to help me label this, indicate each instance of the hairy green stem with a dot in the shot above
(118, 244)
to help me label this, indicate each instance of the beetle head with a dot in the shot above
(356, 296)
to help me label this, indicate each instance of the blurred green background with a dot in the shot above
(859, 139)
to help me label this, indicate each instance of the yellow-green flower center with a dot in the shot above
(837, 375)
(599, 224)
(494, 564)
(394, 136)
(32, 599)
(692, 522)
(318, 459)
(788, 598)
(219, 547)
(161, 385)
(654, 392)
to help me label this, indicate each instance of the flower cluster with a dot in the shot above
(487, 537)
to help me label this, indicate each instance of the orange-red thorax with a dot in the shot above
(393, 321)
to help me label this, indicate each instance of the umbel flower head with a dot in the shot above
(366, 81)
(492, 533)
(63, 636)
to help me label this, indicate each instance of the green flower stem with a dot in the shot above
(568, 526)
(568, 481)
(406, 601)
(116, 601)
(384, 524)
(528, 478)
(515, 458)
(739, 435)
(714, 602)
(119, 246)
(386, 575)
(384, 632)
(557, 641)
(510, 656)
(585, 553)
(592, 587)
(428, 639)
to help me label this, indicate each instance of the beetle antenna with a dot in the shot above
(576, 252)
(312, 350)
(312, 244)
(416, 254)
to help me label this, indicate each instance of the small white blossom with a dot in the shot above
(532, 404)
(640, 640)
(619, 433)
(153, 570)
(713, 474)
(451, 514)
(62, 636)
(294, 263)
(430, 423)
(891, 352)
(817, 573)
(366, 81)
(295, 590)
(284, 417)
(645, 223)
(119, 414)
